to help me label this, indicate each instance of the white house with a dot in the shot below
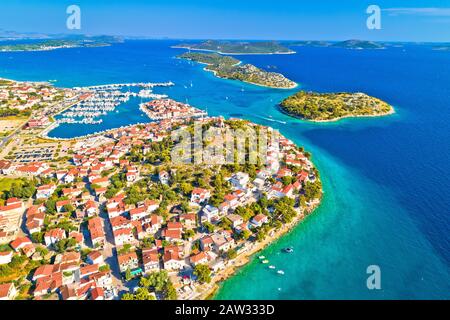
(259, 220)
(240, 180)
(209, 213)
(5, 257)
(45, 191)
(53, 236)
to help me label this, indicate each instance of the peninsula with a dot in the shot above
(230, 68)
(322, 107)
(90, 217)
(238, 47)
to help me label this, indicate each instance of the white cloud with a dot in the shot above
(435, 12)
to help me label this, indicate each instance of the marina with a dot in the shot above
(98, 101)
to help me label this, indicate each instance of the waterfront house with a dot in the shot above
(222, 241)
(236, 220)
(206, 243)
(200, 258)
(259, 220)
(172, 260)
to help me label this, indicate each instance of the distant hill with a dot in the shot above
(358, 44)
(443, 47)
(310, 43)
(237, 47)
(347, 44)
(72, 41)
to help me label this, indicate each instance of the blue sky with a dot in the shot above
(411, 20)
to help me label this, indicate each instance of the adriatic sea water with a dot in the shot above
(386, 180)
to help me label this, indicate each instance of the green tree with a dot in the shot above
(203, 273)
(231, 254)
(128, 275)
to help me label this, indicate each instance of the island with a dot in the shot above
(238, 47)
(53, 44)
(358, 44)
(322, 107)
(443, 47)
(347, 44)
(230, 68)
(121, 214)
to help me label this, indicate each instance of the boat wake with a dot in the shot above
(273, 120)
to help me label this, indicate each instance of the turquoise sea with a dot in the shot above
(386, 180)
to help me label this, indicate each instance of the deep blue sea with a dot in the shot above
(386, 180)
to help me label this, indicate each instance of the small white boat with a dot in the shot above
(271, 267)
(280, 272)
(265, 261)
(288, 250)
(261, 257)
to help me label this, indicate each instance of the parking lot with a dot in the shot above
(34, 154)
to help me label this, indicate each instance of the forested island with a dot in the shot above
(231, 68)
(347, 44)
(323, 107)
(53, 44)
(235, 47)
(443, 47)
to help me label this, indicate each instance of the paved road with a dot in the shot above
(110, 255)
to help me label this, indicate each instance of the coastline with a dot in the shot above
(244, 258)
(54, 48)
(253, 83)
(390, 112)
